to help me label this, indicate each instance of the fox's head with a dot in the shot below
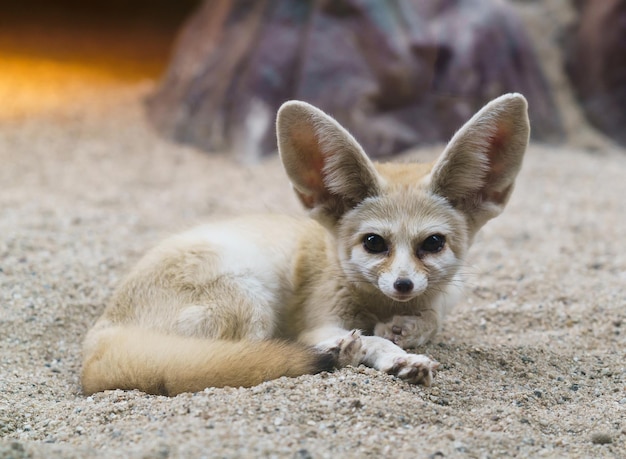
(404, 229)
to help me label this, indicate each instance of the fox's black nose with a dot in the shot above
(403, 285)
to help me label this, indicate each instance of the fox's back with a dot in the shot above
(250, 257)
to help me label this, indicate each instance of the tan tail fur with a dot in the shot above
(129, 357)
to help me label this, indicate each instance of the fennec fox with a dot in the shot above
(372, 273)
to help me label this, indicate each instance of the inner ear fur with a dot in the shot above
(327, 167)
(477, 170)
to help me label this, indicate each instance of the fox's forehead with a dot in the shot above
(406, 213)
(399, 175)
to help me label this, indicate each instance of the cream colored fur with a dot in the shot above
(239, 302)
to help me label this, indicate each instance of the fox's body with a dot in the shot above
(374, 272)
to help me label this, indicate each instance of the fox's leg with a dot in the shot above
(409, 331)
(345, 345)
(384, 355)
(227, 312)
(373, 351)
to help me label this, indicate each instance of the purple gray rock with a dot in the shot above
(595, 55)
(396, 74)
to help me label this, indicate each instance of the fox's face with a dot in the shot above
(404, 229)
(405, 244)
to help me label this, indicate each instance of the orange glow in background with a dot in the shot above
(57, 53)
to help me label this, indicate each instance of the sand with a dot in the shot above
(533, 357)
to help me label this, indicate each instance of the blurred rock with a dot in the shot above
(396, 74)
(595, 55)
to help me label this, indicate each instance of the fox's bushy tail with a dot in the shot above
(128, 357)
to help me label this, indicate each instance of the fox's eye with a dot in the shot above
(374, 243)
(433, 243)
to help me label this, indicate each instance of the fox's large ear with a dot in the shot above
(477, 170)
(327, 167)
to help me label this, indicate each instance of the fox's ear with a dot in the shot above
(477, 170)
(327, 167)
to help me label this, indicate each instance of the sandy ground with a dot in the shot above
(533, 358)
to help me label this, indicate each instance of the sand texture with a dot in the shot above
(533, 358)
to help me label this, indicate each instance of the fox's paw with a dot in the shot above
(406, 331)
(348, 349)
(413, 368)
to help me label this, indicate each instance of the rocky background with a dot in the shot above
(396, 74)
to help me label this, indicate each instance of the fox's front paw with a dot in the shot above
(413, 368)
(348, 349)
(406, 331)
